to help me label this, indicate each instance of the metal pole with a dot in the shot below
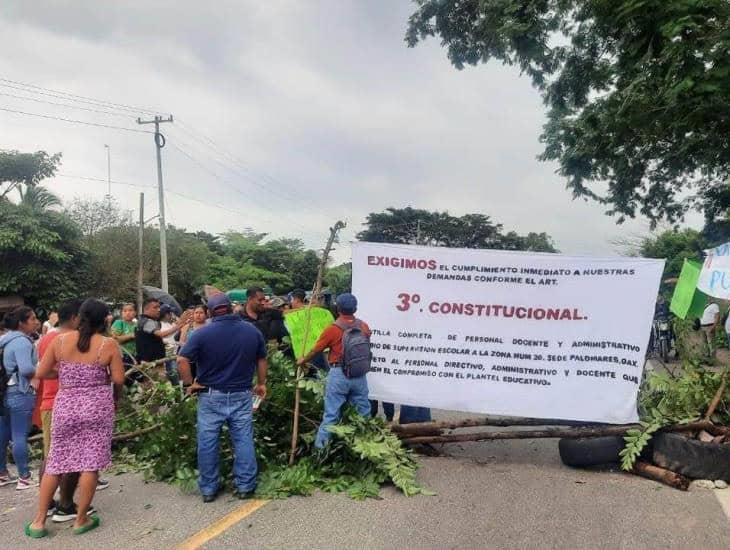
(140, 252)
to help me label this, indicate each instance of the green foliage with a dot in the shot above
(339, 278)
(414, 226)
(637, 91)
(363, 454)
(42, 256)
(673, 398)
(25, 169)
(674, 246)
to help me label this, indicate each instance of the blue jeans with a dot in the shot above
(172, 372)
(341, 390)
(15, 424)
(214, 409)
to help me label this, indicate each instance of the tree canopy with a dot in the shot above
(25, 169)
(637, 91)
(675, 246)
(422, 227)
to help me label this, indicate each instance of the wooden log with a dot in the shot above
(551, 432)
(423, 428)
(662, 475)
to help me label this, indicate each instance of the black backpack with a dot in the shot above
(356, 354)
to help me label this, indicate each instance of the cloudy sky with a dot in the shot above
(288, 116)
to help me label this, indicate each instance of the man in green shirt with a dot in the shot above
(123, 331)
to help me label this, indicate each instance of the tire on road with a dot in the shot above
(692, 457)
(590, 451)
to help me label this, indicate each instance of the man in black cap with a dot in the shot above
(227, 352)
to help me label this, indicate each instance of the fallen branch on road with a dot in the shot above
(662, 475)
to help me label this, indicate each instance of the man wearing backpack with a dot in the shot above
(348, 341)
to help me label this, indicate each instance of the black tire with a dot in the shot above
(591, 451)
(692, 457)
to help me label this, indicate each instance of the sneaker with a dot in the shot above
(26, 483)
(102, 484)
(62, 515)
(52, 508)
(7, 479)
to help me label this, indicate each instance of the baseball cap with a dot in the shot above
(347, 303)
(218, 301)
(165, 309)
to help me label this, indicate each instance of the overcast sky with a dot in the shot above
(288, 116)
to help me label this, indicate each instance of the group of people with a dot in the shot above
(76, 374)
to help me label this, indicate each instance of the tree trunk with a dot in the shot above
(649, 471)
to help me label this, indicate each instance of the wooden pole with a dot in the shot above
(572, 433)
(316, 291)
(553, 432)
(422, 428)
(718, 395)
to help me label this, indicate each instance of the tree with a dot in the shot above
(42, 255)
(18, 169)
(675, 246)
(114, 262)
(38, 198)
(415, 226)
(339, 278)
(638, 91)
(93, 215)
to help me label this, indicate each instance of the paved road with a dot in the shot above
(505, 494)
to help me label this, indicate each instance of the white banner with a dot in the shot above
(715, 275)
(506, 333)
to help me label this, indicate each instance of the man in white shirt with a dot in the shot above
(709, 322)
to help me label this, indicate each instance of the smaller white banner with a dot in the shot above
(715, 275)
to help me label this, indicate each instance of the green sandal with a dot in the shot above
(35, 533)
(95, 522)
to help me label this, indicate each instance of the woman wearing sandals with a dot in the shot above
(83, 413)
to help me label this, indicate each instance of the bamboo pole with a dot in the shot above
(418, 428)
(316, 292)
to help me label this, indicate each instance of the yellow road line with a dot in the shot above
(226, 522)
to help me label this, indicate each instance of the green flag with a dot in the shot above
(296, 324)
(687, 301)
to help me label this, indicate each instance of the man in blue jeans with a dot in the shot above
(340, 389)
(227, 352)
(20, 359)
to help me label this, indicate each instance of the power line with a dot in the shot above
(67, 105)
(208, 142)
(76, 121)
(225, 182)
(81, 99)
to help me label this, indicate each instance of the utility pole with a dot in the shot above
(108, 171)
(159, 144)
(140, 252)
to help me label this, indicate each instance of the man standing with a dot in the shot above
(150, 336)
(709, 322)
(340, 389)
(227, 352)
(254, 309)
(298, 299)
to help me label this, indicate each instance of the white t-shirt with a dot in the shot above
(708, 316)
(170, 339)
